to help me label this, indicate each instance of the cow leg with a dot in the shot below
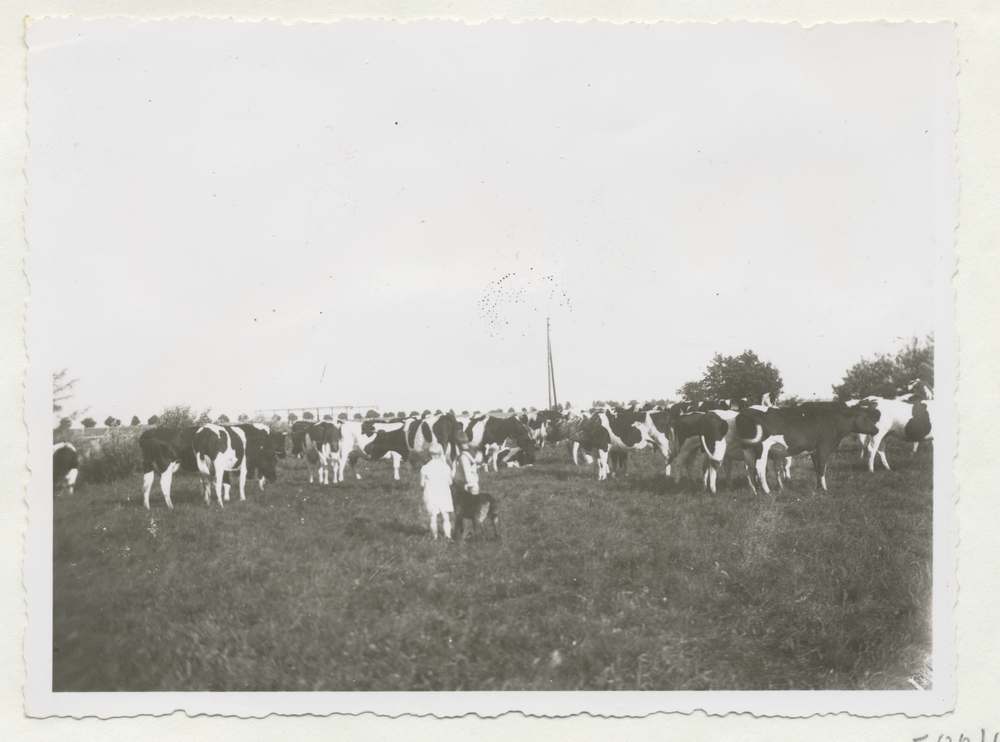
(574, 447)
(874, 444)
(147, 486)
(715, 459)
(219, 476)
(602, 465)
(819, 464)
(243, 483)
(396, 461)
(337, 465)
(885, 462)
(762, 467)
(751, 463)
(165, 479)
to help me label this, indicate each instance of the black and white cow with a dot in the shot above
(164, 451)
(399, 439)
(540, 424)
(319, 443)
(511, 458)
(712, 433)
(263, 449)
(911, 421)
(219, 450)
(574, 427)
(488, 434)
(630, 430)
(816, 427)
(65, 467)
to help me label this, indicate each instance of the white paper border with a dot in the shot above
(975, 281)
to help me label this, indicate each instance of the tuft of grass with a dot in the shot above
(630, 584)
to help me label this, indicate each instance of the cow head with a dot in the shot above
(865, 419)
(276, 442)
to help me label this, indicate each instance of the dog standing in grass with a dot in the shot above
(436, 480)
(468, 502)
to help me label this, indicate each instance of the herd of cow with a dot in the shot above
(723, 431)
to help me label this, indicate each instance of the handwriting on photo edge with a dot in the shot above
(960, 738)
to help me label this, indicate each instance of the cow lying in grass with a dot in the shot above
(477, 508)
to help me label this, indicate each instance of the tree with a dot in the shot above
(62, 391)
(884, 375)
(135, 421)
(401, 415)
(357, 416)
(153, 420)
(425, 413)
(88, 422)
(465, 413)
(438, 412)
(204, 418)
(177, 416)
(65, 423)
(414, 414)
(223, 420)
(112, 422)
(243, 418)
(510, 410)
(371, 414)
(328, 417)
(735, 377)
(307, 415)
(292, 417)
(342, 416)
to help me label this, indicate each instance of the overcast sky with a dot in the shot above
(257, 215)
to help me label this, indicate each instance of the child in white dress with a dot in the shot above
(435, 478)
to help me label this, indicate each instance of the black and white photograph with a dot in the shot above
(425, 367)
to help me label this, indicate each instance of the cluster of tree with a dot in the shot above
(735, 377)
(727, 377)
(885, 375)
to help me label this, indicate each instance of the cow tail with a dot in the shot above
(704, 446)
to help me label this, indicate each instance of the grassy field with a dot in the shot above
(630, 584)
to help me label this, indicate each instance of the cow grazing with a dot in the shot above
(476, 508)
(575, 427)
(164, 451)
(627, 430)
(65, 467)
(297, 434)
(319, 443)
(909, 421)
(389, 439)
(399, 439)
(263, 450)
(488, 434)
(219, 450)
(816, 427)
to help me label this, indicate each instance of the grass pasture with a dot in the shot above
(631, 584)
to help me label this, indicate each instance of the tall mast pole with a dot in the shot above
(553, 398)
